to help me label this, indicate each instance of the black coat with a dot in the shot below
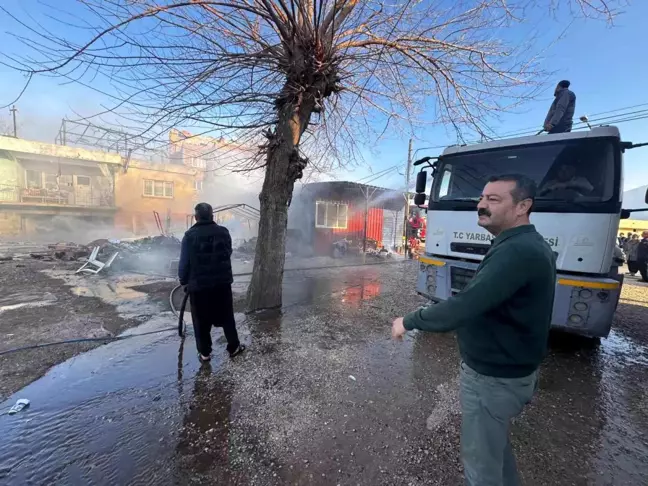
(205, 258)
(642, 251)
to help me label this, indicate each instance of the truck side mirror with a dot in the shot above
(421, 182)
(645, 197)
(625, 214)
(419, 199)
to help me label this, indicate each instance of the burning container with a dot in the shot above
(326, 212)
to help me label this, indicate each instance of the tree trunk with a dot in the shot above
(284, 167)
(265, 289)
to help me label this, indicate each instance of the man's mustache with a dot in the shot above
(483, 212)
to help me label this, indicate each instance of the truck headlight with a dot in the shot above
(575, 319)
(585, 293)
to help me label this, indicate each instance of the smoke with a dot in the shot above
(222, 188)
(66, 228)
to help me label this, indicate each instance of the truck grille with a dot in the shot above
(459, 278)
(471, 248)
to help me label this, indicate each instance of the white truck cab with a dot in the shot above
(577, 210)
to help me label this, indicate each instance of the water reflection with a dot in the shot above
(204, 440)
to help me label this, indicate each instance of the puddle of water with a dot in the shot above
(114, 290)
(41, 303)
(25, 299)
(109, 416)
(619, 347)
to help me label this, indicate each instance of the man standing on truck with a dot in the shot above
(205, 269)
(642, 256)
(560, 117)
(502, 319)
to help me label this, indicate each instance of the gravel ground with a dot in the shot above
(324, 396)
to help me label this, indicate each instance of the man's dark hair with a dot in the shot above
(564, 84)
(204, 212)
(525, 187)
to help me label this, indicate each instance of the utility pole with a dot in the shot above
(13, 111)
(407, 184)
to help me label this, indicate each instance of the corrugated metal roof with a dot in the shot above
(353, 191)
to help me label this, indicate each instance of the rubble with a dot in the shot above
(139, 254)
(248, 246)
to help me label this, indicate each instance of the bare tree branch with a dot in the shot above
(300, 81)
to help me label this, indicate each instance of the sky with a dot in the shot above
(605, 64)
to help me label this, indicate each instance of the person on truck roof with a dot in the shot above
(502, 319)
(560, 117)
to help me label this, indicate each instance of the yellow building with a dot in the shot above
(143, 187)
(633, 226)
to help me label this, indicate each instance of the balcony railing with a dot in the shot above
(54, 197)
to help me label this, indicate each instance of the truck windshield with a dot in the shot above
(575, 170)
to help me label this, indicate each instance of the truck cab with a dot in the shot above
(577, 210)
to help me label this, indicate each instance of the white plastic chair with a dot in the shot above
(92, 261)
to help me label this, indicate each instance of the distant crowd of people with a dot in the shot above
(636, 252)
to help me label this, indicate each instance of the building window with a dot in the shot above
(83, 181)
(198, 185)
(331, 215)
(197, 162)
(33, 179)
(51, 182)
(158, 188)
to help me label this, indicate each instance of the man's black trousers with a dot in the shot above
(213, 307)
(643, 270)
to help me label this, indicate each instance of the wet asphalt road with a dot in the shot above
(323, 396)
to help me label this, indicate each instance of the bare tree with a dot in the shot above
(311, 76)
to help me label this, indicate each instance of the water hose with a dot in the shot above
(84, 340)
(181, 326)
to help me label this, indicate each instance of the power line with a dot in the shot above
(534, 128)
(378, 174)
(609, 120)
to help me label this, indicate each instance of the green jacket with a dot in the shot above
(503, 315)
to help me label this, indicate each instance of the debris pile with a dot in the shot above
(248, 247)
(157, 253)
(62, 251)
(382, 253)
(150, 243)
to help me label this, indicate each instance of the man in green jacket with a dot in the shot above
(502, 319)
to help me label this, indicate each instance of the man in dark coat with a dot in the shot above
(561, 113)
(205, 269)
(642, 256)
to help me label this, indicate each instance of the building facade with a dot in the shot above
(143, 188)
(44, 188)
(54, 192)
(326, 212)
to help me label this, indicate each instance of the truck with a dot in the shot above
(578, 207)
